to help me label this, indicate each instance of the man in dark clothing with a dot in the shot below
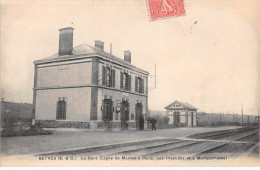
(153, 121)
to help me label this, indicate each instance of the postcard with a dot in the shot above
(130, 83)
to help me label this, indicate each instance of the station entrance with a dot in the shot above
(124, 114)
(138, 115)
(107, 114)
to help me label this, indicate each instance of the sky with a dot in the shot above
(213, 64)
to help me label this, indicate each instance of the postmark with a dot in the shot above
(165, 8)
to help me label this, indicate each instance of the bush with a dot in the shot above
(162, 121)
(8, 132)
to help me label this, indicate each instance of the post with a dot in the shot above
(111, 48)
(242, 113)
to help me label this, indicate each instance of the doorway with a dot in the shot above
(138, 114)
(107, 114)
(124, 114)
(177, 118)
(191, 119)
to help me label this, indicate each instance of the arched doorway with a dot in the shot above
(138, 115)
(107, 112)
(124, 114)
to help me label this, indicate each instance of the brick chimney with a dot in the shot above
(99, 45)
(127, 56)
(66, 41)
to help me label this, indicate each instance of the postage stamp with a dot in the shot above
(165, 8)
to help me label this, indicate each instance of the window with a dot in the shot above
(125, 81)
(139, 85)
(61, 109)
(108, 77)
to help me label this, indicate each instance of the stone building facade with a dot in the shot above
(182, 114)
(86, 87)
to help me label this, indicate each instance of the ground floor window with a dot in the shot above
(61, 109)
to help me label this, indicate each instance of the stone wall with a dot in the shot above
(62, 124)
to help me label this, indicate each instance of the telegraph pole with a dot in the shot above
(242, 113)
(155, 75)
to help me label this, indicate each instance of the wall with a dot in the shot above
(190, 118)
(76, 73)
(78, 103)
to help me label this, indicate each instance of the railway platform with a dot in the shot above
(64, 139)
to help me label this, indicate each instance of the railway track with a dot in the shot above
(227, 143)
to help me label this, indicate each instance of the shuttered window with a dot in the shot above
(125, 81)
(108, 77)
(139, 85)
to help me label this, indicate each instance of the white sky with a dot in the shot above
(213, 65)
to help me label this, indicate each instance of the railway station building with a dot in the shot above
(86, 87)
(182, 114)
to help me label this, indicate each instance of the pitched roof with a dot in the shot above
(87, 51)
(186, 105)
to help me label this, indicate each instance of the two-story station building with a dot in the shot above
(86, 87)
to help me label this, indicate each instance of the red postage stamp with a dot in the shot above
(165, 8)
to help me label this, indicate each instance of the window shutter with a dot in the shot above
(103, 110)
(135, 109)
(142, 80)
(103, 75)
(129, 82)
(110, 118)
(126, 82)
(113, 78)
(57, 110)
(121, 80)
(136, 84)
(64, 110)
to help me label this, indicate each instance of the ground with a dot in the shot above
(65, 139)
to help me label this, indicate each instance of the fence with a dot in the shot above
(216, 119)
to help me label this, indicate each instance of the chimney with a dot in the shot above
(127, 56)
(66, 41)
(99, 45)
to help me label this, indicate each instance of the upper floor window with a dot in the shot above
(139, 85)
(125, 81)
(108, 77)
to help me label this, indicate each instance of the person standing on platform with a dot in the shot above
(141, 123)
(154, 121)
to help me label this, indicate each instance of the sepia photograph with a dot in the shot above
(130, 83)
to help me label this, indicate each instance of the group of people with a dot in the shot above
(153, 122)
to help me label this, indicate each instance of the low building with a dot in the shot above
(87, 87)
(182, 114)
